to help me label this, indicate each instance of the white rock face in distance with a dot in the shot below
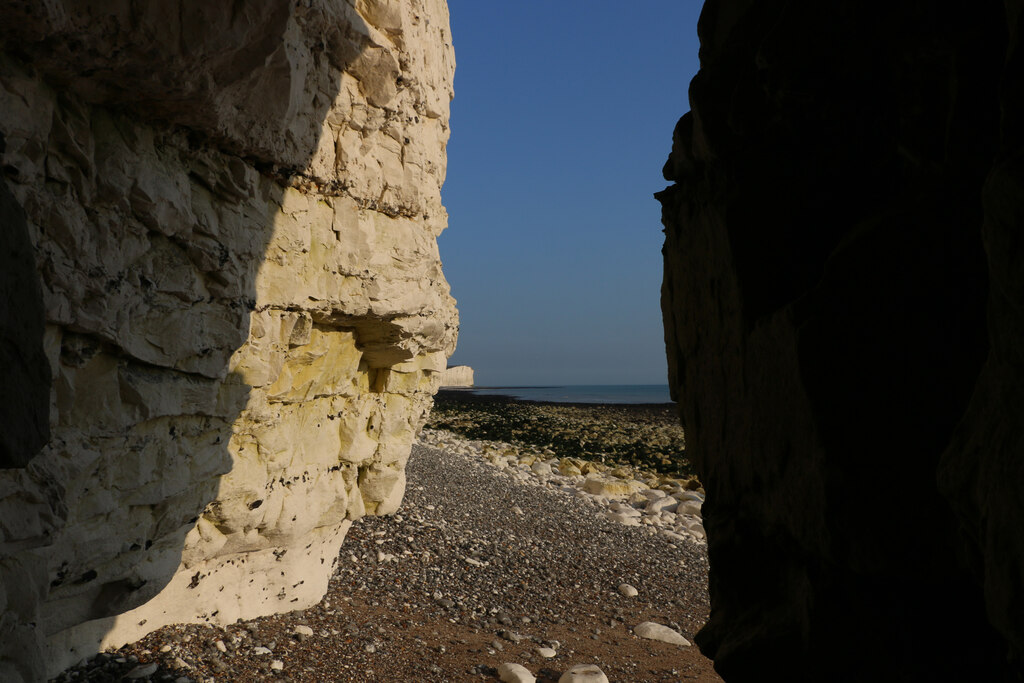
(457, 376)
(234, 217)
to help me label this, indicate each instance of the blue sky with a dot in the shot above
(561, 122)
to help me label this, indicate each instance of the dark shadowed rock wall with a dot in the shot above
(844, 318)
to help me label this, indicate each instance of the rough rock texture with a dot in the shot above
(224, 312)
(457, 376)
(843, 298)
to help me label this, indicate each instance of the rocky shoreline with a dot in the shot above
(495, 558)
(647, 436)
(627, 496)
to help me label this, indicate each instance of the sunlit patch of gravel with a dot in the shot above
(490, 536)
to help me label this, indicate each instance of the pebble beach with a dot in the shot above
(508, 561)
(646, 436)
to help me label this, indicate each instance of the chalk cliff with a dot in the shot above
(224, 314)
(457, 376)
(844, 317)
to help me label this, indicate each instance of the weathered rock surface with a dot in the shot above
(224, 312)
(457, 376)
(843, 303)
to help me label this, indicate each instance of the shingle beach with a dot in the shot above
(494, 558)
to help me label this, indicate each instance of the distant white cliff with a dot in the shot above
(457, 376)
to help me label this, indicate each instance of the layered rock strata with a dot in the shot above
(224, 311)
(842, 302)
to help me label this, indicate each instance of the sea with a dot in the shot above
(591, 393)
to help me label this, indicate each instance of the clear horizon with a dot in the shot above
(606, 394)
(560, 127)
(549, 386)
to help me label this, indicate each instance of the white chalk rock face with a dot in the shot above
(457, 376)
(236, 297)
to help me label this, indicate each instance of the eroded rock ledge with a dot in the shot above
(229, 315)
(843, 309)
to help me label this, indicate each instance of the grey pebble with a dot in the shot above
(142, 671)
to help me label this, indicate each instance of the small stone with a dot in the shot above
(371, 648)
(619, 506)
(142, 671)
(628, 590)
(688, 495)
(661, 505)
(546, 652)
(515, 673)
(165, 649)
(623, 518)
(568, 468)
(584, 673)
(260, 650)
(220, 646)
(653, 631)
(277, 665)
(180, 663)
(689, 507)
(612, 488)
(637, 501)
